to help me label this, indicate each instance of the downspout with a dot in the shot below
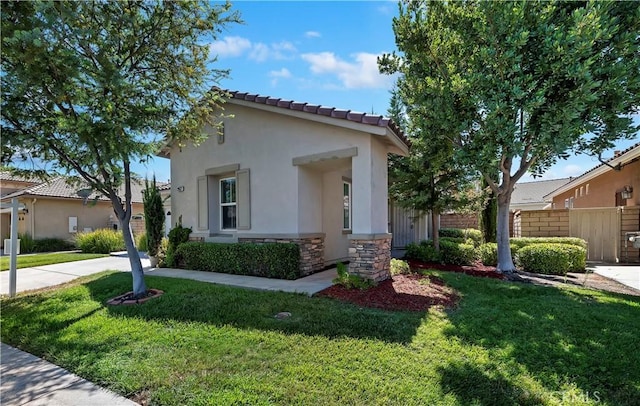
(33, 218)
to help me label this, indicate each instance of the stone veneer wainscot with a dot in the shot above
(370, 256)
(311, 250)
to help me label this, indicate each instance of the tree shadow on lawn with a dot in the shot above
(566, 339)
(186, 300)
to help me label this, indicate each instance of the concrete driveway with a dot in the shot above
(50, 275)
(626, 274)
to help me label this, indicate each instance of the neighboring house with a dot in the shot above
(291, 172)
(530, 195)
(614, 183)
(54, 209)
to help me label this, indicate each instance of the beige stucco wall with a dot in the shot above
(284, 198)
(49, 218)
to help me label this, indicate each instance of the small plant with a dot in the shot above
(141, 242)
(162, 252)
(457, 253)
(468, 233)
(52, 245)
(350, 281)
(555, 259)
(178, 235)
(27, 244)
(399, 267)
(422, 252)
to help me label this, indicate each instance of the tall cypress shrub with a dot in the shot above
(153, 216)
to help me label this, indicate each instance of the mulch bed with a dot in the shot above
(477, 269)
(403, 292)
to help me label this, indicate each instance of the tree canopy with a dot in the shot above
(94, 86)
(518, 85)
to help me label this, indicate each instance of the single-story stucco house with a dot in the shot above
(284, 171)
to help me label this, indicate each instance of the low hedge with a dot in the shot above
(488, 253)
(518, 243)
(457, 253)
(467, 233)
(554, 259)
(424, 252)
(271, 260)
(29, 245)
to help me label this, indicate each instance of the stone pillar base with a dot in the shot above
(370, 256)
(311, 250)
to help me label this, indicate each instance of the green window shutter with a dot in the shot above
(203, 204)
(243, 197)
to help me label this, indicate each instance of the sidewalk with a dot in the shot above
(30, 381)
(50, 275)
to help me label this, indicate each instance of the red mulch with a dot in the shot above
(477, 269)
(402, 292)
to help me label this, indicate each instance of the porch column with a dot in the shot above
(370, 243)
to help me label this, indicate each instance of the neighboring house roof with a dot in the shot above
(58, 187)
(624, 157)
(532, 193)
(8, 176)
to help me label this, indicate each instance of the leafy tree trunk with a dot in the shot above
(489, 216)
(435, 228)
(123, 213)
(505, 261)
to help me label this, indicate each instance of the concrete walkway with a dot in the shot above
(628, 275)
(308, 285)
(30, 381)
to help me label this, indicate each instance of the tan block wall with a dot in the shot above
(461, 221)
(602, 190)
(630, 222)
(544, 223)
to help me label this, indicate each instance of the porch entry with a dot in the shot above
(600, 228)
(407, 226)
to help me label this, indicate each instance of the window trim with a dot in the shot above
(221, 205)
(349, 208)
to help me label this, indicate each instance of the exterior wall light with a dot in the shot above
(180, 188)
(627, 192)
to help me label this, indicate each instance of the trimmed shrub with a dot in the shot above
(457, 253)
(488, 253)
(554, 259)
(162, 253)
(518, 243)
(272, 260)
(399, 267)
(457, 240)
(467, 233)
(52, 245)
(141, 242)
(422, 252)
(177, 236)
(101, 241)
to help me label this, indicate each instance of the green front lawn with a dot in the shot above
(27, 261)
(505, 344)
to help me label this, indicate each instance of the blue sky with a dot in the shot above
(323, 53)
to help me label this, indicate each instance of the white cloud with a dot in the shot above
(312, 34)
(275, 75)
(572, 170)
(362, 72)
(282, 73)
(230, 47)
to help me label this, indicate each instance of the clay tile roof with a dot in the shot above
(272, 101)
(8, 176)
(333, 112)
(298, 106)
